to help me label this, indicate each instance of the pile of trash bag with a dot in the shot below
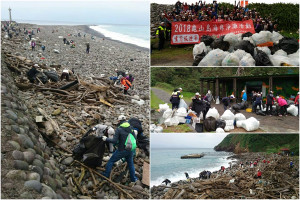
(260, 49)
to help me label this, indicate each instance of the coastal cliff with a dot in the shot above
(270, 143)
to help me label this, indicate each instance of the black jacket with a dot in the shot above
(136, 124)
(270, 99)
(226, 101)
(198, 106)
(175, 97)
(121, 135)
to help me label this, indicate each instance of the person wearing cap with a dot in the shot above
(244, 96)
(119, 138)
(269, 102)
(197, 104)
(104, 130)
(175, 98)
(297, 102)
(161, 34)
(258, 102)
(31, 74)
(283, 106)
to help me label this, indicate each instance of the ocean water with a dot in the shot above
(137, 35)
(166, 163)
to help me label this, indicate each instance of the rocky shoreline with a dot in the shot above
(32, 167)
(237, 182)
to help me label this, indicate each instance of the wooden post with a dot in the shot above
(234, 90)
(270, 83)
(201, 86)
(217, 88)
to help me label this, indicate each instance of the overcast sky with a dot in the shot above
(228, 1)
(186, 140)
(134, 12)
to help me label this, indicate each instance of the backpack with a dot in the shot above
(90, 150)
(130, 143)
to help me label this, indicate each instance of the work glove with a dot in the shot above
(104, 138)
(135, 133)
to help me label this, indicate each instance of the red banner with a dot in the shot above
(191, 32)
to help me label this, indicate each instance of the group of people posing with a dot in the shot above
(200, 11)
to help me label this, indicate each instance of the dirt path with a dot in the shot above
(162, 95)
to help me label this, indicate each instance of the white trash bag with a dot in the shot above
(227, 115)
(251, 124)
(199, 48)
(167, 113)
(280, 52)
(240, 53)
(262, 37)
(239, 123)
(229, 125)
(163, 107)
(293, 110)
(220, 130)
(182, 104)
(181, 112)
(213, 112)
(158, 129)
(247, 60)
(239, 117)
(276, 37)
(231, 60)
(213, 58)
(171, 121)
(231, 38)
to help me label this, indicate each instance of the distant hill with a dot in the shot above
(270, 143)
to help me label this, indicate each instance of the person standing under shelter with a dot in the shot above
(244, 97)
(269, 103)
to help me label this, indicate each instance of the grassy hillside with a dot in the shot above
(270, 143)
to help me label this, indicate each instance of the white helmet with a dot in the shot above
(121, 117)
(197, 93)
(111, 131)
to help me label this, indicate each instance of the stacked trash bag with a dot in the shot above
(260, 49)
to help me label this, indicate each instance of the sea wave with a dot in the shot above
(193, 173)
(121, 37)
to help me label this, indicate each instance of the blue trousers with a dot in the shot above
(117, 155)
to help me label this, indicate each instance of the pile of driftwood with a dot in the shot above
(71, 104)
(278, 181)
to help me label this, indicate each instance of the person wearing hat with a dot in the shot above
(119, 138)
(297, 102)
(258, 102)
(66, 74)
(269, 102)
(197, 104)
(283, 106)
(31, 74)
(244, 97)
(175, 98)
(161, 34)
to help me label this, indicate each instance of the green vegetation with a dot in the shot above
(169, 78)
(183, 128)
(270, 143)
(286, 15)
(155, 101)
